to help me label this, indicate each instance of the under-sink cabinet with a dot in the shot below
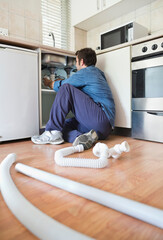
(54, 66)
(117, 68)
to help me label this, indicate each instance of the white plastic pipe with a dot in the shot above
(41, 225)
(132, 208)
(61, 160)
(114, 152)
(100, 150)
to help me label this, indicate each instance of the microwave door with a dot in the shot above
(123, 34)
(113, 38)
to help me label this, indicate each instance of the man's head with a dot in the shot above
(85, 57)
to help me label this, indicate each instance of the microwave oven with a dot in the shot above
(122, 34)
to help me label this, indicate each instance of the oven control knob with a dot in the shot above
(162, 44)
(154, 46)
(144, 49)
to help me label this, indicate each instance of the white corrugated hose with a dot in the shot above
(100, 150)
(132, 208)
(37, 222)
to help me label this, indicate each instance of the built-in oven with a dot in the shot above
(147, 90)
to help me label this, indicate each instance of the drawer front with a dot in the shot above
(147, 125)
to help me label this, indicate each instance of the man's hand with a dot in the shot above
(48, 82)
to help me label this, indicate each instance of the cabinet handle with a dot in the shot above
(156, 113)
(104, 3)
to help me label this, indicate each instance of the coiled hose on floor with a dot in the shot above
(40, 224)
(100, 150)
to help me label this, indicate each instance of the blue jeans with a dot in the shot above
(87, 114)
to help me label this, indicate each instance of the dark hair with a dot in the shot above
(88, 55)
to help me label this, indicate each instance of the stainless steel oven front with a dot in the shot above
(147, 90)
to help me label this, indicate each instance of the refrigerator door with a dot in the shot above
(19, 117)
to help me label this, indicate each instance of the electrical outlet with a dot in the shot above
(3, 31)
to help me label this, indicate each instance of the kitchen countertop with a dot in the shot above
(22, 43)
(33, 46)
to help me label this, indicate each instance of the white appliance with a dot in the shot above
(122, 34)
(147, 90)
(19, 116)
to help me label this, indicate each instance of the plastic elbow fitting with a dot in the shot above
(116, 151)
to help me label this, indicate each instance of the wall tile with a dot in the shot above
(16, 7)
(80, 39)
(115, 23)
(33, 9)
(4, 4)
(128, 18)
(16, 25)
(22, 18)
(157, 19)
(93, 38)
(32, 29)
(143, 10)
(3, 18)
(144, 20)
(156, 4)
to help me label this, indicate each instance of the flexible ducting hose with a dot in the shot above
(132, 208)
(100, 150)
(60, 159)
(41, 225)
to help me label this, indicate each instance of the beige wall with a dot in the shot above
(80, 39)
(22, 18)
(150, 16)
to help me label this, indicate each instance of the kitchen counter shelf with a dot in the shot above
(48, 90)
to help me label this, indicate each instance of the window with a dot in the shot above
(56, 19)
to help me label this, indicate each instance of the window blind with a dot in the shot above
(56, 18)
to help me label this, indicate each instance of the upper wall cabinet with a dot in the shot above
(89, 14)
(82, 10)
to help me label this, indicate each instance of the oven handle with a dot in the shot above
(154, 62)
(156, 113)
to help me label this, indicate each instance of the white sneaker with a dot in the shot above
(86, 139)
(48, 137)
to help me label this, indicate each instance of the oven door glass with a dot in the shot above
(147, 82)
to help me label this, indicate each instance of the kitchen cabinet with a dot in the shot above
(19, 116)
(82, 10)
(93, 14)
(108, 3)
(55, 66)
(117, 68)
